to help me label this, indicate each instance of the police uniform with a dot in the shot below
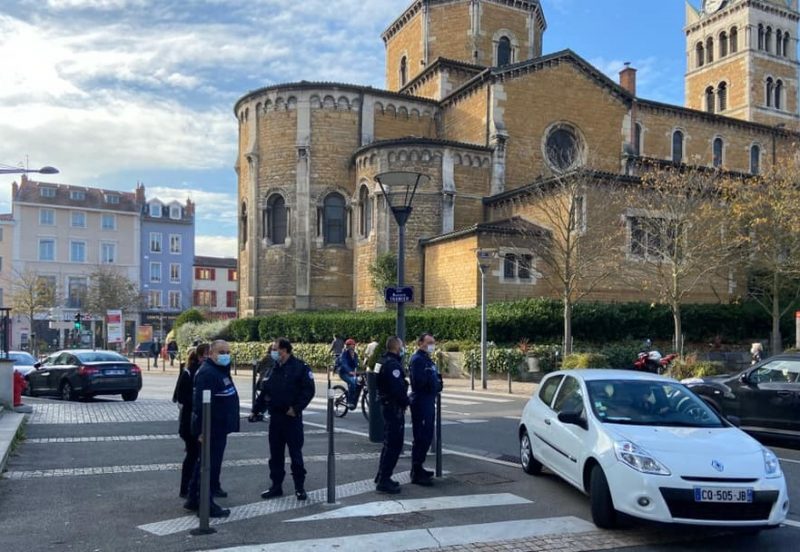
(392, 390)
(224, 419)
(285, 386)
(425, 385)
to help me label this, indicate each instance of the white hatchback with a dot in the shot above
(646, 446)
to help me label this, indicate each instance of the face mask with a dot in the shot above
(275, 355)
(223, 360)
(431, 349)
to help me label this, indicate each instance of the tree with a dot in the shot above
(767, 213)
(110, 289)
(383, 271)
(31, 294)
(192, 315)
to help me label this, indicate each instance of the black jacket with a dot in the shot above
(224, 399)
(425, 379)
(391, 379)
(183, 396)
(288, 385)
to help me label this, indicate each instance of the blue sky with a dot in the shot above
(118, 91)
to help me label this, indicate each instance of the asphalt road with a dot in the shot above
(103, 476)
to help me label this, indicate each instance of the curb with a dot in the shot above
(10, 423)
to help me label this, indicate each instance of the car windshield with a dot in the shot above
(22, 359)
(649, 403)
(100, 356)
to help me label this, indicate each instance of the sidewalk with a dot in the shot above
(10, 423)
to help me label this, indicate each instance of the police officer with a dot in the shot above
(426, 383)
(393, 392)
(285, 392)
(213, 376)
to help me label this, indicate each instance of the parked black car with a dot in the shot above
(765, 397)
(144, 349)
(85, 373)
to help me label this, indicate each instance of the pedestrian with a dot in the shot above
(348, 368)
(392, 390)
(212, 376)
(128, 342)
(183, 396)
(426, 383)
(154, 352)
(285, 392)
(372, 346)
(756, 353)
(172, 351)
(337, 346)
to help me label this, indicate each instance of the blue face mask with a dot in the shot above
(275, 355)
(223, 360)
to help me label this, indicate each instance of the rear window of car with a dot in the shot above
(100, 356)
(548, 389)
(23, 359)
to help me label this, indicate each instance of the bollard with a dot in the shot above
(439, 435)
(205, 469)
(255, 367)
(148, 363)
(331, 453)
(375, 411)
(509, 381)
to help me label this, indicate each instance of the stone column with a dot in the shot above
(303, 205)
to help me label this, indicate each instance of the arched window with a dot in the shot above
(779, 43)
(755, 159)
(770, 91)
(717, 152)
(710, 99)
(504, 51)
(734, 40)
(723, 44)
(637, 139)
(722, 96)
(403, 70)
(768, 40)
(778, 94)
(364, 212)
(276, 220)
(709, 50)
(677, 146)
(760, 36)
(243, 229)
(701, 54)
(334, 220)
(786, 46)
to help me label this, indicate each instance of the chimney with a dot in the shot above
(140, 193)
(627, 78)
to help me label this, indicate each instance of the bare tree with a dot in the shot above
(31, 294)
(110, 289)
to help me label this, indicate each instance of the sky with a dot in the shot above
(115, 92)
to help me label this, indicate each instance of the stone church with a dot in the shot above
(473, 102)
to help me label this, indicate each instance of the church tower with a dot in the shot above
(742, 60)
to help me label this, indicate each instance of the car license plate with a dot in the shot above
(717, 494)
(114, 372)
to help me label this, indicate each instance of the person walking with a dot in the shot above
(213, 376)
(392, 390)
(172, 351)
(183, 396)
(426, 383)
(285, 392)
(372, 346)
(337, 346)
(348, 369)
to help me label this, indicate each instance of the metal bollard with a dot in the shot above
(375, 412)
(331, 453)
(148, 363)
(439, 435)
(509, 382)
(205, 469)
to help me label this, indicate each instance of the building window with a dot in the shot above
(700, 54)
(76, 292)
(277, 219)
(175, 300)
(364, 212)
(204, 274)
(174, 212)
(786, 43)
(578, 217)
(175, 273)
(205, 298)
(47, 250)
(717, 148)
(77, 219)
(723, 44)
(155, 273)
(734, 40)
(47, 191)
(504, 52)
(651, 238)
(770, 90)
(47, 217)
(755, 159)
(243, 227)
(710, 100)
(779, 43)
(403, 70)
(510, 266)
(768, 40)
(709, 50)
(524, 267)
(722, 96)
(637, 139)
(677, 146)
(760, 36)
(778, 94)
(155, 209)
(77, 195)
(108, 253)
(175, 244)
(233, 275)
(230, 299)
(77, 251)
(562, 148)
(113, 199)
(155, 242)
(109, 222)
(154, 299)
(334, 219)
(1, 234)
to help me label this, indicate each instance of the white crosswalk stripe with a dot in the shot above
(480, 398)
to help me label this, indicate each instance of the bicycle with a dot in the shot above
(340, 406)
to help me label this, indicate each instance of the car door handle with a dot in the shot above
(547, 421)
(785, 393)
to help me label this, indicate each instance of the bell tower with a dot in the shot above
(742, 60)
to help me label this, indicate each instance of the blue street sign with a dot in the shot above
(398, 295)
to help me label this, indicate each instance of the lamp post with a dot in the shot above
(399, 189)
(485, 257)
(6, 169)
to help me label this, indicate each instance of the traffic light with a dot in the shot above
(78, 320)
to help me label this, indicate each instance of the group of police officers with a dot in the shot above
(285, 391)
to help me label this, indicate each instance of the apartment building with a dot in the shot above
(215, 287)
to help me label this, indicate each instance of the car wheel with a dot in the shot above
(67, 392)
(130, 396)
(530, 464)
(603, 513)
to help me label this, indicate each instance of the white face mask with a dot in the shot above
(431, 349)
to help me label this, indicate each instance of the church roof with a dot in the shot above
(514, 226)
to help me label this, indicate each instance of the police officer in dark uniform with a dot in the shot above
(426, 383)
(285, 392)
(393, 392)
(214, 376)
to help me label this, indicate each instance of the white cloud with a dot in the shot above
(215, 246)
(94, 4)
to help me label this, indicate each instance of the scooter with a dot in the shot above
(653, 361)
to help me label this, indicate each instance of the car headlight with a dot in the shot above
(772, 466)
(692, 381)
(638, 459)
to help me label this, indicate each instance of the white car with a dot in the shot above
(23, 362)
(646, 446)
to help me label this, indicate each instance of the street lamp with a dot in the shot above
(485, 257)
(399, 189)
(6, 169)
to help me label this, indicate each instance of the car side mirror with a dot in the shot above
(573, 417)
(735, 420)
(745, 378)
(37, 365)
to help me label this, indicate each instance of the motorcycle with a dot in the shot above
(653, 361)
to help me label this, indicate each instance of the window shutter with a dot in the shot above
(212, 274)
(196, 273)
(213, 298)
(195, 296)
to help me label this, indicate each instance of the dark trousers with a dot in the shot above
(217, 451)
(286, 431)
(422, 419)
(394, 421)
(191, 458)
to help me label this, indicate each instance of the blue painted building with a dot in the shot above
(167, 249)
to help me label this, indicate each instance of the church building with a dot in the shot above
(473, 102)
